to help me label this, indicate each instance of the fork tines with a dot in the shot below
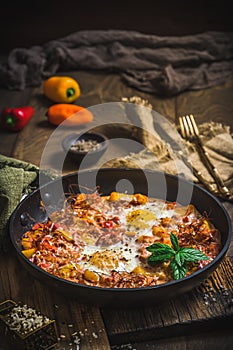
(190, 132)
(188, 127)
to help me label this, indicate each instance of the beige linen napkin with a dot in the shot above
(165, 149)
(218, 142)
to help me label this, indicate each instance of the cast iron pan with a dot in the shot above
(136, 180)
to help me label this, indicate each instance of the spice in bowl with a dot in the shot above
(85, 146)
(89, 145)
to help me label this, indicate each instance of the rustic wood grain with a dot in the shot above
(31, 141)
(214, 104)
(71, 317)
(209, 305)
(222, 339)
(198, 310)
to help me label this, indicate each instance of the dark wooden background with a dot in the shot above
(189, 322)
(25, 23)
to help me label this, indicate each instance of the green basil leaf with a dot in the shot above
(159, 257)
(192, 255)
(179, 258)
(174, 241)
(159, 247)
(178, 271)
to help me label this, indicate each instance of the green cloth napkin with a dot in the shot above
(16, 178)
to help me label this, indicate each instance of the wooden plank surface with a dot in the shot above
(222, 339)
(99, 89)
(72, 318)
(213, 104)
(193, 312)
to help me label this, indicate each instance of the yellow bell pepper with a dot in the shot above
(26, 243)
(28, 252)
(61, 89)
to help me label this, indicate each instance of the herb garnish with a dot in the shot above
(178, 256)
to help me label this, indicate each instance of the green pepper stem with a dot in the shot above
(10, 120)
(70, 92)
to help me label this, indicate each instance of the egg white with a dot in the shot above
(126, 251)
(125, 255)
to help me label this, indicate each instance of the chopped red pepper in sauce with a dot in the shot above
(101, 240)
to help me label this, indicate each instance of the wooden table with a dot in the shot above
(199, 319)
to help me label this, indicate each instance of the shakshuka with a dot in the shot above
(102, 240)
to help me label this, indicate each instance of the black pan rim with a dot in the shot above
(182, 281)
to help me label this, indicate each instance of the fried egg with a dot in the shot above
(135, 221)
(118, 258)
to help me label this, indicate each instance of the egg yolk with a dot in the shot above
(106, 259)
(140, 218)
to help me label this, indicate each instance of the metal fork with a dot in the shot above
(190, 132)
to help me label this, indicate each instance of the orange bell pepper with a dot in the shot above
(61, 89)
(69, 115)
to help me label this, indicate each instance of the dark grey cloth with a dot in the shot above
(150, 63)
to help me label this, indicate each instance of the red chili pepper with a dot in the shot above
(185, 219)
(37, 226)
(108, 224)
(48, 245)
(44, 265)
(15, 119)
